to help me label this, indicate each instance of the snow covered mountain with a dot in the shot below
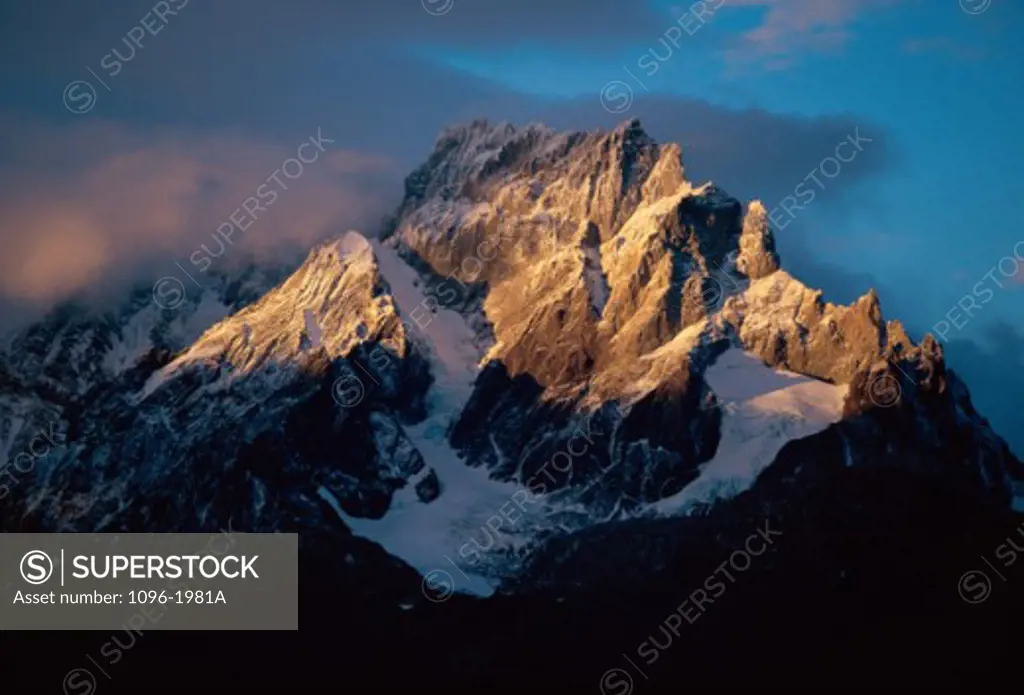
(533, 285)
(556, 340)
(50, 369)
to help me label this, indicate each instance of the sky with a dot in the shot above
(129, 130)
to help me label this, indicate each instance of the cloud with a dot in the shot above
(791, 28)
(1006, 339)
(993, 368)
(121, 198)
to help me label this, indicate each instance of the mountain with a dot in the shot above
(50, 370)
(561, 374)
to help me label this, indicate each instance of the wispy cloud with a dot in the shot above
(118, 198)
(792, 28)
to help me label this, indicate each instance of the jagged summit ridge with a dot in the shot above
(337, 294)
(656, 244)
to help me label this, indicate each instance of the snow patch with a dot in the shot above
(451, 341)
(312, 329)
(763, 409)
(133, 343)
(352, 244)
(428, 536)
(594, 277)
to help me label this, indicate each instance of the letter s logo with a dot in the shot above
(36, 567)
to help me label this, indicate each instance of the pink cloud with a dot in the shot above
(98, 201)
(791, 28)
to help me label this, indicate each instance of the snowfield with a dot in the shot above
(764, 408)
(429, 536)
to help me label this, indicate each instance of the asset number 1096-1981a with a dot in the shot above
(187, 596)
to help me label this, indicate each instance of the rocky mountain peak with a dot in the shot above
(654, 245)
(335, 301)
(667, 175)
(614, 276)
(757, 257)
(632, 136)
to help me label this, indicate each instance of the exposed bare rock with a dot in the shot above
(337, 292)
(757, 257)
(789, 325)
(667, 176)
